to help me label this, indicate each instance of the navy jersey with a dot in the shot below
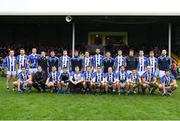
(107, 62)
(52, 61)
(33, 60)
(10, 62)
(131, 62)
(122, 76)
(148, 76)
(22, 60)
(39, 77)
(167, 80)
(98, 77)
(110, 77)
(64, 76)
(76, 61)
(43, 63)
(164, 63)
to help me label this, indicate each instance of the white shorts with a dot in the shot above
(141, 73)
(161, 73)
(32, 70)
(122, 84)
(51, 83)
(11, 73)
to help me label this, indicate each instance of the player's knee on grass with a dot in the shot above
(114, 86)
(106, 84)
(92, 85)
(160, 87)
(15, 83)
(49, 85)
(84, 84)
(174, 87)
(155, 85)
(29, 83)
(118, 84)
(144, 85)
(14, 77)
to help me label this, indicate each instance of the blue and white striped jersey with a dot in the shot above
(10, 62)
(22, 60)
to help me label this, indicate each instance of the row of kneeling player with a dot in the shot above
(94, 82)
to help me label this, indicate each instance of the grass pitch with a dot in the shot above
(46, 106)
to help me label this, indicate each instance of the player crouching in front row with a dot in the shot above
(76, 81)
(87, 83)
(64, 81)
(24, 81)
(109, 81)
(121, 78)
(97, 81)
(149, 81)
(168, 83)
(52, 81)
(134, 82)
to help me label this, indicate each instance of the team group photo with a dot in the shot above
(88, 74)
(89, 60)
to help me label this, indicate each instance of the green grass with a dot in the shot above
(56, 106)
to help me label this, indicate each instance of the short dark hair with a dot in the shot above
(22, 49)
(88, 67)
(131, 50)
(64, 68)
(23, 67)
(152, 51)
(167, 70)
(76, 66)
(98, 66)
(108, 52)
(119, 50)
(53, 66)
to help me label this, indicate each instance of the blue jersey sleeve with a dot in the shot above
(49, 76)
(116, 75)
(4, 63)
(163, 79)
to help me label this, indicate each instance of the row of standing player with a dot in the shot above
(131, 62)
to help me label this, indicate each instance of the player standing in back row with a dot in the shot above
(97, 59)
(131, 62)
(10, 62)
(33, 61)
(164, 63)
(22, 60)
